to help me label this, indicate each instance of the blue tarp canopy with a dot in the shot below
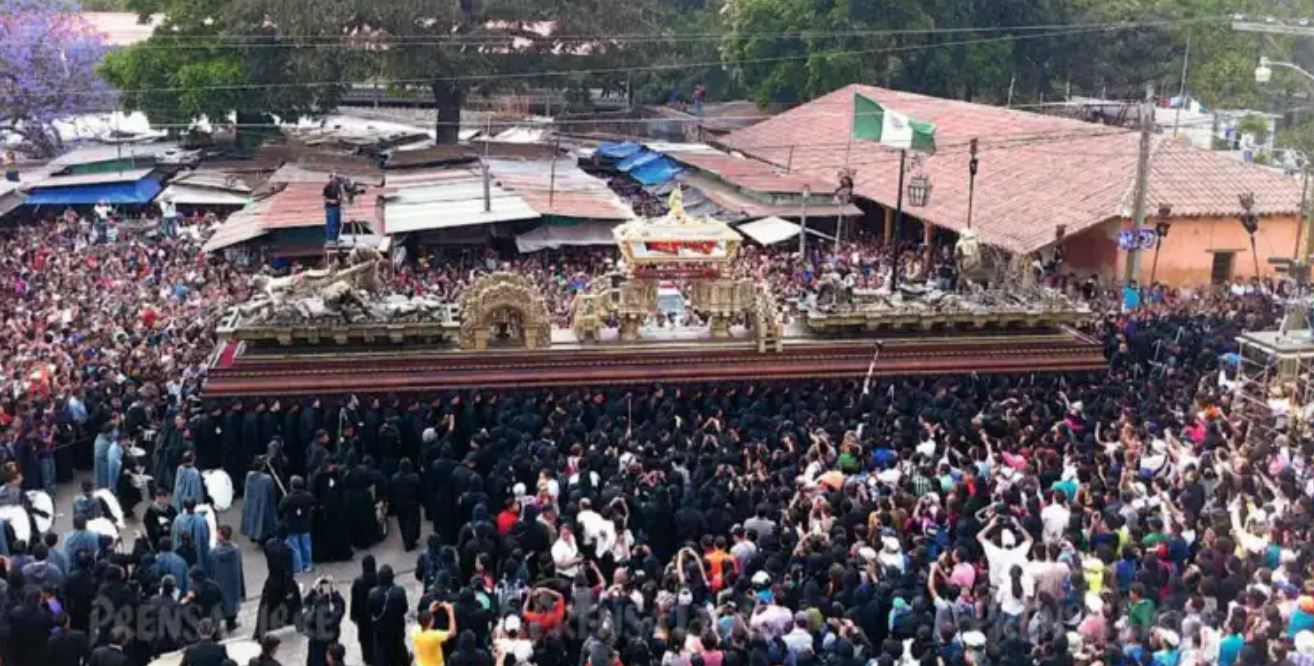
(636, 160)
(617, 150)
(130, 193)
(656, 172)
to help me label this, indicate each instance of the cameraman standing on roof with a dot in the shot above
(332, 209)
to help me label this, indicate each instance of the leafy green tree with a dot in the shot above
(456, 48)
(256, 60)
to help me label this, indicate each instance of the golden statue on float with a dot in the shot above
(676, 247)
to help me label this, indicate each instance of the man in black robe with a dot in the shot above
(405, 496)
(231, 440)
(388, 615)
(159, 517)
(331, 527)
(358, 494)
(208, 433)
(280, 600)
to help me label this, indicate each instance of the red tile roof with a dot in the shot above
(1036, 172)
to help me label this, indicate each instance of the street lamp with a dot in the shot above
(803, 228)
(1250, 221)
(1264, 72)
(972, 166)
(919, 190)
(1160, 232)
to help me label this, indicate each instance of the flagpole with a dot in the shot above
(898, 218)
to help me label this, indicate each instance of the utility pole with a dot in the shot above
(552, 177)
(1133, 268)
(1181, 90)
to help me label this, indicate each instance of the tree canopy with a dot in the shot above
(48, 56)
(255, 59)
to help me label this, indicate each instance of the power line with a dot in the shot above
(363, 39)
(607, 70)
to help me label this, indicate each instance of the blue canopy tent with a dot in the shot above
(657, 171)
(128, 193)
(617, 150)
(636, 160)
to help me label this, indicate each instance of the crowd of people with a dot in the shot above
(1121, 517)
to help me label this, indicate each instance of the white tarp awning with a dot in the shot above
(190, 195)
(553, 236)
(772, 230)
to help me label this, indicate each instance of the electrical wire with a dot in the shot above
(364, 39)
(472, 78)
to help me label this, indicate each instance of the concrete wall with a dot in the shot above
(1187, 256)
(1095, 250)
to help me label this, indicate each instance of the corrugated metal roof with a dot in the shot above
(213, 179)
(297, 205)
(457, 203)
(93, 154)
(754, 174)
(125, 176)
(189, 195)
(572, 193)
(730, 199)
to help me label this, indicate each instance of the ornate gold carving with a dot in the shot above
(507, 306)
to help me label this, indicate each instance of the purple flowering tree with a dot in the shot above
(48, 57)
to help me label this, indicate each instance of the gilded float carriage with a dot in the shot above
(697, 252)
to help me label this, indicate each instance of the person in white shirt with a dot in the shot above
(799, 639)
(565, 554)
(1013, 595)
(1001, 558)
(1055, 517)
(591, 526)
(510, 640)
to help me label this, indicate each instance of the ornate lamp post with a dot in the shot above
(1161, 232)
(803, 228)
(919, 190)
(972, 166)
(1250, 221)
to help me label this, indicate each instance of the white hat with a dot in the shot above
(761, 578)
(1305, 642)
(511, 624)
(1007, 539)
(1169, 636)
(1094, 603)
(974, 639)
(867, 553)
(890, 543)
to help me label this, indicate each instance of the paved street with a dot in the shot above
(293, 650)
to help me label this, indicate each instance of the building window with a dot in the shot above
(1221, 272)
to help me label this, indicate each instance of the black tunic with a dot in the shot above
(330, 534)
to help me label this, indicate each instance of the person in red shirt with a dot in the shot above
(507, 518)
(546, 617)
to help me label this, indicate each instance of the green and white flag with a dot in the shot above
(874, 122)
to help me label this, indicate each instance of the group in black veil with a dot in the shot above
(330, 531)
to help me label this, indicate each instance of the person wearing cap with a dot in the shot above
(1003, 557)
(509, 639)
